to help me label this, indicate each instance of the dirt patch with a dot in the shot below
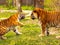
(54, 30)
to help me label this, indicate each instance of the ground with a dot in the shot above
(30, 31)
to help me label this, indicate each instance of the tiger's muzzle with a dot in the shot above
(22, 16)
(32, 16)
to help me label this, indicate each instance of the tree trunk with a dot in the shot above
(18, 5)
(14, 2)
(39, 3)
(34, 2)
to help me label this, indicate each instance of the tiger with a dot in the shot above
(47, 19)
(10, 24)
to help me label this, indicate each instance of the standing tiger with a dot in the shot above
(47, 19)
(10, 23)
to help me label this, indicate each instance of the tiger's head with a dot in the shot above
(22, 16)
(35, 13)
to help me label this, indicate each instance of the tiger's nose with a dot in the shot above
(32, 16)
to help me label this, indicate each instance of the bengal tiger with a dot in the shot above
(47, 19)
(10, 24)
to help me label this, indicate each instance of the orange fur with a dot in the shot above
(47, 18)
(7, 24)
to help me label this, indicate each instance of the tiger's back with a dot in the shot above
(52, 18)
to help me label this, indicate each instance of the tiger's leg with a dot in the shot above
(43, 30)
(21, 24)
(16, 31)
(2, 32)
(47, 31)
(18, 23)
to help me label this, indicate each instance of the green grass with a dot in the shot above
(30, 31)
(30, 36)
(27, 7)
(10, 7)
(5, 14)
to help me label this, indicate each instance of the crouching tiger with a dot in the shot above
(10, 23)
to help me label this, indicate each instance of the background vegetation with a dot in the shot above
(48, 5)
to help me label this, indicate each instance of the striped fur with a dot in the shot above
(10, 23)
(47, 18)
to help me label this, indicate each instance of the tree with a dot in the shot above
(39, 3)
(18, 5)
(14, 2)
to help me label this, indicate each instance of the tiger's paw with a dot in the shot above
(41, 35)
(18, 33)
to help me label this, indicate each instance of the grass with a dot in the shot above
(5, 14)
(27, 7)
(10, 7)
(30, 31)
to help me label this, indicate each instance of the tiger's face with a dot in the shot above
(35, 13)
(22, 16)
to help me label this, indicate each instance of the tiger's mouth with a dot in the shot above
(22, 16)
(32, 16)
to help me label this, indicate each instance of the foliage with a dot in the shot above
(52, 5)
(48, 5)
(14, 8)
(4, 7)
(27, 7)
